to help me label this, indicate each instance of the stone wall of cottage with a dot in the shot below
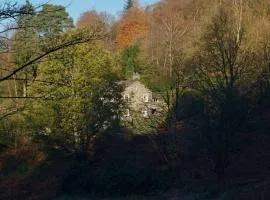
(137, 96)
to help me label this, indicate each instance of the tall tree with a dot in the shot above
(222, 61)
(131, 27)
(86, 99)
(53, 20)
(25, 44)
(34, 39)
(92, 20)
(171, 23)
(48, 24)
(99, 23)
(130, 60)
(166, 50)
(128, 4)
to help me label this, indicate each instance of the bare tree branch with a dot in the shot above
(50, 51)
(10, 112)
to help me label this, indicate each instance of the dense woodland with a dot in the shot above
(61, 127)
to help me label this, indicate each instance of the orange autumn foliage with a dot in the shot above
(132, 26)
(93, 20)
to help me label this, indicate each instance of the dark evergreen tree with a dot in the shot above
(25, 35)
(53, 20)
(37, 33)
(129, 59)
(25, 44)
(128, 4)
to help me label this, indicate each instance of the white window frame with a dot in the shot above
(146, 98)
(126, 97)
(155, 100)
(132, 94)
(127, 113)
(145, 113)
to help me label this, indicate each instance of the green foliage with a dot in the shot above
(130, 60)
(26, 41)
(38, 32)
(78, 98)
(1, 91)
(52, 21)
(12, 127)
(155, 78)
(84, 98)
(25, 38)
(48, 24)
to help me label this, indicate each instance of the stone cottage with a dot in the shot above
(140, 100)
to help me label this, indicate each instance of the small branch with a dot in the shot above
(10, 113)
(61, 46)
(5, 97)
(36, 80)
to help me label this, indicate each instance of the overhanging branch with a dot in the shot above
(11, 112)
(50, 51)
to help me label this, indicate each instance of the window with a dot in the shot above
(145, 98)
(155, 99)
(132, 94)
(153, 111)
(126, 97)
(126, 113)
(145, 113)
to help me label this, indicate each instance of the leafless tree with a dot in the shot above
(221, 63)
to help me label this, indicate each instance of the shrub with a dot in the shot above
(115, 180)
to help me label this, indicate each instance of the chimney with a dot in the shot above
(135, 76)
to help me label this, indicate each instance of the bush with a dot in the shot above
(192, 103)
(115, 180)
(23, 159)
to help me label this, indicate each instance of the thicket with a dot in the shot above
(59, 81)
